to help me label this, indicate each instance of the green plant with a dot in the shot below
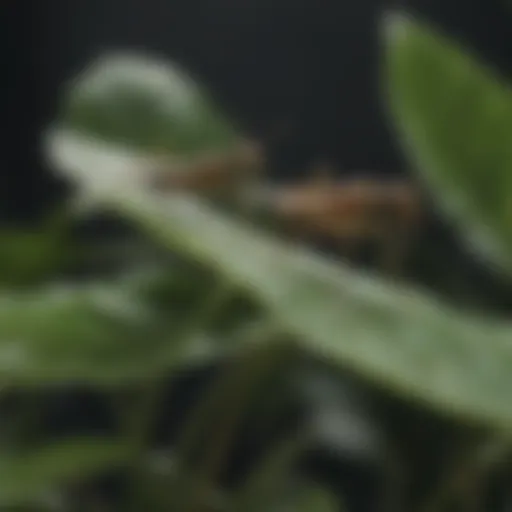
(131, 332)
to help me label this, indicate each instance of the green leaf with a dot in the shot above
(455, 118)
(28, 257)
(102, 334)
(24, 477)
(147, 105)
(406, 342)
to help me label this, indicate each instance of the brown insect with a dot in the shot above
(352, 212)
(211, 173)
(348, 213)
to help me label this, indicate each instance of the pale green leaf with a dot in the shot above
(395, 336)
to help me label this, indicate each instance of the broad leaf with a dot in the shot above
(95, 333)
(144, 104)
(455, 118)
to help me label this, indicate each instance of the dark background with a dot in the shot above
(304, 69)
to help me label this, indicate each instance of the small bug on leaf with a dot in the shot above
(352, 212)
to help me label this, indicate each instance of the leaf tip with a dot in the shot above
(396, 24)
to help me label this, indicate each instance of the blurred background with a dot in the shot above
(303, 79)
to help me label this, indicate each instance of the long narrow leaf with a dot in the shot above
(395, 336)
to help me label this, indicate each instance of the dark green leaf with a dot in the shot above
(97, 333)
(145, 105)
(455, 118)
(28, 257)
(23, 478)
(317, 499)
